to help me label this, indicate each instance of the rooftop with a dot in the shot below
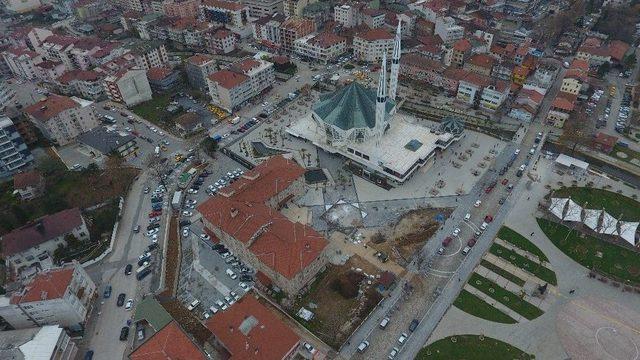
(81, 75)
(375, 34)
(158, 73)
(228, 5)
(228, 79)
(482, 60)
(25, 179)
(104, 140)
(199, 59)
(46, 285)
(353, 106)
(50, 107)
(249, 330)
(33, 343)
(41, 230)
(150, 310)
(170, 343)
(326, 39)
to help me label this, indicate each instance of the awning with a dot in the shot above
(574, 212)
(557, 206)
(591, 218)
(571, 162)
(609, 225)
(628, 231)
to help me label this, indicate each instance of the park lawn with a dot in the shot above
(502, 272)
(522, 262)
(471, 347)
(475, 306)
(617, 261)
(513, 237)
(614, 203)
(630, 153)
(505, 297)
(155, 111)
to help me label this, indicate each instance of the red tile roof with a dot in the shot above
(482, 60)
(22, 50)
(46, 285)
(535, 96)
(199, 59)
(462, 45)
(240, 211)
(617, 49)
(222, 34)
(41, 230)
(228, 79)
(25, 179)
(326, 39)
(421, 62)
(228, 5)
(245, 65)
(563, 102)
(82, 75)
(170, 343)
(375, 34)
(61, 40)
(158, 73)
(249, 330)
(605, 139)
(51, 106)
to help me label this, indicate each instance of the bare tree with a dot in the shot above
(575, 134)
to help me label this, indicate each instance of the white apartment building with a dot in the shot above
(47, 342)
(149, 54)
(222, 41)
(22, 62)
(371, 45)
(321, 47)
(61, 296)
(347, 15)
(266, 30)
(243, 80)
(489, 94)
(295, 7)
(35, 242)
(60, 119)
(374, 18)
(128, 86)
(58, 48)
(86, 84)
(448, 30)
(7, 95)
(260, 8)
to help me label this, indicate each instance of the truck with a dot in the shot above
(145, 266)
(175, 201)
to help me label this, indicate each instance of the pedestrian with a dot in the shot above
(572, 291)
(531, 234)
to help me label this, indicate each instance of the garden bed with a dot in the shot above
(505, 297)
(475, 306)
(471, 347)
(520, 241)
(523, 263)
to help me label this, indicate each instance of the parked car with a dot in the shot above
(127, 269)
(107, 292)
(471, 242)
(413, 325)
(403, 338)
(124, 333)
(393, 353)
(129, 304)
(446, 241)
(120, 301)
(363, 346)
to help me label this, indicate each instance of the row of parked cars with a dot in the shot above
(225, 180)
(624, 113)
(402, 339)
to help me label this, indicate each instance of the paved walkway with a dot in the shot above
(489, 300)
(522, 252)
(523, 274)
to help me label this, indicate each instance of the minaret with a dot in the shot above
(381, 98)
(395, 64)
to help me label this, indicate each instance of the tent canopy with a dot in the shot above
(609, 225)
(591, 218)
(628, 231)
(557, 206)
(574, 212)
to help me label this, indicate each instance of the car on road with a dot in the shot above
(456, 232)
(120, 301)
(127, 269)
(363, 346)
(394, 352)
(88, 355)
(414, 325)
(403, 338)
(516, 152)
(501, 201)
(129, 304)
(136, 229)
(477, 203)
(446, 241)
(504, 181)
(124, 333)
(441, 251)
(107, 292)
(146, 190)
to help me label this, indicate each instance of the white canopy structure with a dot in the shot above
(557, 206)
(609, 225)
(628, 231)
(591, 218)
(574, 212)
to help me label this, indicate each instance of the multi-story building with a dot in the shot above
(482, 91)
(149, 54)
(22, 6)
(232, 14)
(242, 81)
(28, 185)
(14, 154)
(88, 10)
(245, 217)
(86, 84)
(34, 244)
(182, 8)
(109, 142)
(60, 119)
(7, 95)
(222, 41)
(348, 15)
(128, 86)
(47, 342)
(261, 8)
(448, 30)
(480, 64)
(322, 47)
(293, 29)
(374, 18)
(295, 7)
(163, 80)
(22, 62)
(266, 30)
(371, 45)
(61, 296)
(461, 52)
(561, 109)
(198, 68)
(58, 48)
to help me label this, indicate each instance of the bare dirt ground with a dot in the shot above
(594, 328)
(409, 234)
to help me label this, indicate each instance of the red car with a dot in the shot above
(488, 190)
(505, 181)
(488, 218)
(471, 242)
(154, 214)
(447, 241)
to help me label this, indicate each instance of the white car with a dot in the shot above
(244, 286)
(205, 237)
(403, 337)
(144, 256)
(128, 305)
(225, 135)
(517, 151)
(456, 232)
(185, 231)
(393, 353)
(192, 191)
(187, 213)
(153, 232)
(467, 217)
(477, 204)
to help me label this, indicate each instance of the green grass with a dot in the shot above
(505, 297)
(155, 111)
(614, 203)
(520, 241)
(475, 306)
(617, 261)
(522, 262)
(471, 347)
(502, 272)
(630, 154)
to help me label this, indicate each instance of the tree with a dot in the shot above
(573, 134)
(630, 60)
(604, 69)
(210, 146)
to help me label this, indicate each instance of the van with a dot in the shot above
(466, 250)
(193, 304)
(384, 323)
(213, 309)
(363, 346)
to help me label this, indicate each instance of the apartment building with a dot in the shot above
(293, 29)
(448, 30)
(28, 185)
(348, 15)
(61, 296)
(482, 91)
(33, 244)
(14, 154)
(243, 80)
(245, 217)
(322, 47)
(233, 14)
(22, 62)
(57, 48)
(266, 30)
(262, 8)
(461, 52)
(375, 18)
(129, 86)
(198, 68)
(222, 41)
(295, 7)
(369, 46)
(182, 8)
(480, 64)
(47, 342)
(149, 54)
(86, 84)
(7, 95)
